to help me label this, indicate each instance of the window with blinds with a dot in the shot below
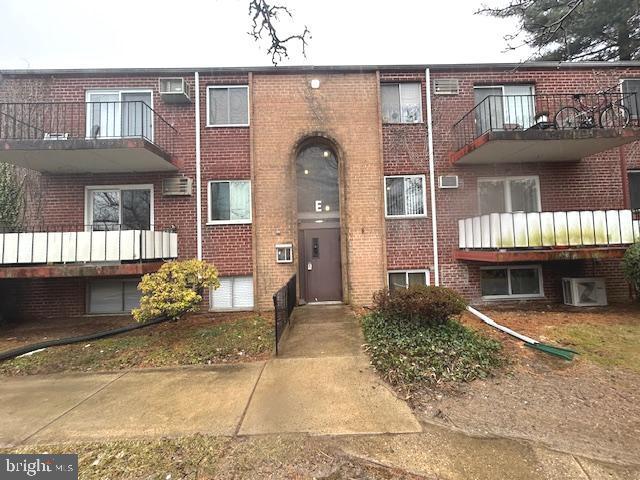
(113, 296)
(227, 106)
(405, 196)
(234, 293)
(401, 102)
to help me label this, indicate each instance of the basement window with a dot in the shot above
(228, 106)
(234, 293)
(401, 102)
(517, 281)
(113, 296)
(399, 279)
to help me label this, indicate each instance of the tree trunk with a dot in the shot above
(624, 42)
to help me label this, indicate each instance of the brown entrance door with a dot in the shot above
(321, 265)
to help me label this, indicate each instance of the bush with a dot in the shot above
(413, 355)
(174, 289)
(424, 305)
(631, 265)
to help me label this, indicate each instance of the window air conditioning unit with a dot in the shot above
(446, 86)
(584, 292)
(448, 181)
(177, 186)
(174, 90)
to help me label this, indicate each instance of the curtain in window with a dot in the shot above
(218, 106)
(518, 107)
(491, 196)
(524, 195)
(410, 98)
(240, 203)
(390, 103)
(238, 106)
(395, 196)
(413, 196)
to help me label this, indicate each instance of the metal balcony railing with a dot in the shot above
(540, 230)
(87, 244)
(60, 121)
(609, 109)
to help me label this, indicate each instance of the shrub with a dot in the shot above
(174, 289)
(631, 265)
(421, 304)
(411, 355)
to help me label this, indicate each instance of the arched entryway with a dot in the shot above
(318, 200)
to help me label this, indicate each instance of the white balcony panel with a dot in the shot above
(90, 246)
(549, 229)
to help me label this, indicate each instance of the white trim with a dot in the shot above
(88, 204)
(426, 271)
(90, 92)
(507, 191)
(228, 222)
(399, 84)
(284, 246)
(198, 171)
(424, 196)
(432, 182)
(232, 308)
(210, 125)
(508, 268)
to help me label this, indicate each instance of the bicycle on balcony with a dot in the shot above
(604, 111)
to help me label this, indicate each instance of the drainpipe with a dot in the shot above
(432, 183)
(198, 176)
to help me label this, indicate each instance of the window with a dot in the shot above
(227, 106)
(120, 113)
(509, 194)
(113, 296)
(511, 282)
(401, 102)
(230, 201)
(127, 207)
(631, 101)
(504, 107)
(234, 293)
(634, 189)
(405, 196)
(405, 279)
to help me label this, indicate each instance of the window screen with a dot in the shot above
(510, 281)
(129, 209)
(233, 293)
(228, 106)
(407, 279)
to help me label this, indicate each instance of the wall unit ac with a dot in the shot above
(174, 90)
(448, 181)
(177, 186)
(446, 86)
(584, 292)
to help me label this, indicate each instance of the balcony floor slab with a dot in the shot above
(79, 270)
(539, 255)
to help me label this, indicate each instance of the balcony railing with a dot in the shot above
(541, 230)
(87, 244)
(61, 121)
(603, 110)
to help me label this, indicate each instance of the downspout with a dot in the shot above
(432, 182)
(198, 176)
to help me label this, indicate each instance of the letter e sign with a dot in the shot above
(318, 205)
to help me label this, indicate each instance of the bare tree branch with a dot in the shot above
(264, 17)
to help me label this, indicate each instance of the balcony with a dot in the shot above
(91, 250)
(545, 128)
(86, 137)
(546, 236)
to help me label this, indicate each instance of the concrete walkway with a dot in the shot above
(321, 384)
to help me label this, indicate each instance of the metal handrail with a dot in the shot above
(59, 121)
(284, 301)
(540, 111)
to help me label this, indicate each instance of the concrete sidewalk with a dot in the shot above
(321, 384)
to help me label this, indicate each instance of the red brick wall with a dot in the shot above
(592, 183)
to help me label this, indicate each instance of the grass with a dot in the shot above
(606, 345)
(169, 344)
(411, 356)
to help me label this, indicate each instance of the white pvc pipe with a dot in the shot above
(198, 173)
(502, 328)
(432, 183)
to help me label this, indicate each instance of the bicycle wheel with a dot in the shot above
(615, 116)
(567, 118)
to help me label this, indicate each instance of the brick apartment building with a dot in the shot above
(496, 180)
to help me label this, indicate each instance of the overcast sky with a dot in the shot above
(192, 33)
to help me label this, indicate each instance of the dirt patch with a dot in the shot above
(581, 406)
